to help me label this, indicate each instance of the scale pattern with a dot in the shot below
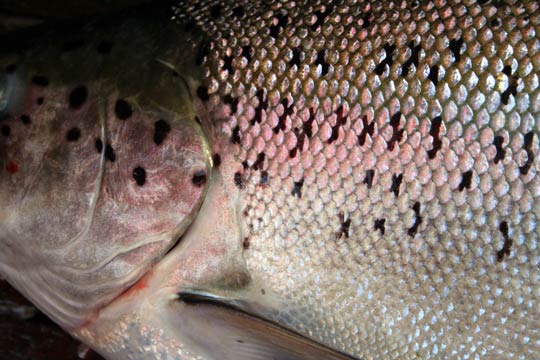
(387, 157)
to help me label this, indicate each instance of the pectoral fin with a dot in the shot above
(227, 333)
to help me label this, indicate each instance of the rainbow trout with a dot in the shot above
(279, 180)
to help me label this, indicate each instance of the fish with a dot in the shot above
(279, 180)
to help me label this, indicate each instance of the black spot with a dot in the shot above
(388, 59)
(340, 121)
(202, 93)
(245, 165)
(232, 102)
(40, 80)
(508, 242)
(368, 129)
(6, 130)
(199, 178)
(507, 70)
(496, 22)
(238, 12)
(413, 60)
(40, 100)
(288, 110)
(73, 134)
(72, 45)
(466, 180)
(434, 74)
(274, 31)
(321, 16)
(307, 127)
(434, 131)
(264, 177)
(417, 220)
(202, 52)
(247, 52)
(139, 174)
(528, 142)
(263, 105)
(397, 133)
(379, 225)
(216, 160)
(511, 90)
(297, 188)
(104, 47)
(239, 181)
(123, 109)
(245, 246)
(258, 164)
(396, 183)
(99, 145)
(77, 97)
(161, 129)
(321, 61)
(368, 180)
(109, 153)
(198, 120)
(366, 20)
(503, 227)
(293, 152)
(235, 138)
(227, 64)
(300, 137)
(344, 226)
(281, 20)
(11, 68)
(455, 47)
(295, 57)
(498, 142)
(26, 119)
(215, 11)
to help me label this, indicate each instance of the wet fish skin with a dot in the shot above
(386, 159)
(95, 152)
(377, 187)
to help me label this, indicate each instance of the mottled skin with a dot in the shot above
(376, 189)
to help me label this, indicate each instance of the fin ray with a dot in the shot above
(230, 333)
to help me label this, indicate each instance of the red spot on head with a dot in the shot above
(12, 167)
(140, 285)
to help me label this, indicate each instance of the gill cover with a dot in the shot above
(102, 164)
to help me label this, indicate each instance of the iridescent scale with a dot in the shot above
(388, 154)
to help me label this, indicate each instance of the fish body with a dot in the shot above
(361, 181)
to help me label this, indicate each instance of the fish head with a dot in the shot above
(103, 164)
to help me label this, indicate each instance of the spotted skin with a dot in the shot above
(97, 178)
(373, 188)
(395, 206)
